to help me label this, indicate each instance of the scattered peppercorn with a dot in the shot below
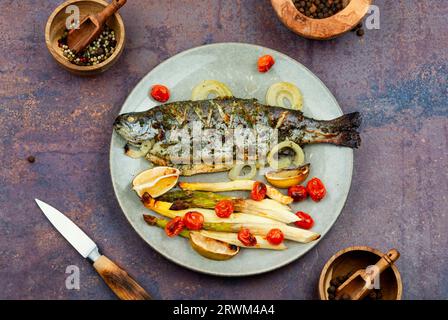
(358, 26)
(98, 50)
(320, 9)
(360, 32)
(31, 159)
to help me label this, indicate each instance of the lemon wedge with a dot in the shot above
(211, 248)
(155, 181)
(288, 177)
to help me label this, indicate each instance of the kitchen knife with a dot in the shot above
(115, 277)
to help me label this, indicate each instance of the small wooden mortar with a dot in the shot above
(352, 259)
(356, 286)
(56, 25)
(321, 29)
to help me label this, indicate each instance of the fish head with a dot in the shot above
(134, 127)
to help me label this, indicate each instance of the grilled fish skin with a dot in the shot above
(157, 124)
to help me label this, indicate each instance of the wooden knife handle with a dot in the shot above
(110, 10)
(119, 280)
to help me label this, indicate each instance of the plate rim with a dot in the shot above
(239, 274)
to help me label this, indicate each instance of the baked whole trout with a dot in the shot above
(202, 136)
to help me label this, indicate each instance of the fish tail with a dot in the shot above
(346, 126)
(346, 122)
(350, 139)
(341, 131)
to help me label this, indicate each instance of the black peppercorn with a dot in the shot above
(375, 294)
(331, 289)
(31, 159)
(319, 9)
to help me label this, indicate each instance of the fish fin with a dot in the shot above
(350, 139)
(157, 160)
(346, 128)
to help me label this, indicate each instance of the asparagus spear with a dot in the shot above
(163, 208)
(290, 233)
(221, 233)
(234, 185)
(161, 223)
(232, 238)
(184, 199)
(234, 224)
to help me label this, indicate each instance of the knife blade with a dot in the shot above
(70, 231)
(115, 277)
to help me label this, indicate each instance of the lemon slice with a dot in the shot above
(207, 87)
(155, 181)
(281, 91)
(277, 163)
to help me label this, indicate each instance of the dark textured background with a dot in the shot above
(396, 76)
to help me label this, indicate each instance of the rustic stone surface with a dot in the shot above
(397, 76)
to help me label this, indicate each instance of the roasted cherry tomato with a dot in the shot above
(247, 238)
(298, 193)
(306, 222)
(160, 93)
(224, 208)
(275, 236)
(174, 227)
(258, 192)
(193, 220)
(316, 189)
(265, 63)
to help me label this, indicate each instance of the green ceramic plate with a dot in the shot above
(235, 64)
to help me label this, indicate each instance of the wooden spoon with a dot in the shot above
(358, 285)
(91, 26)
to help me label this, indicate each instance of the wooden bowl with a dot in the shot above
(321, 29)
(56, 25)
(354, 258)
